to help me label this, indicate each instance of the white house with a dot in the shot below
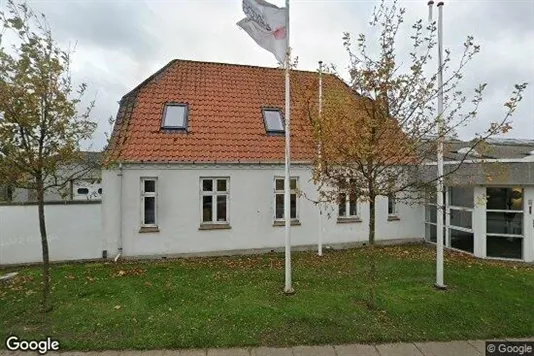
(198, 151)
(195, 165)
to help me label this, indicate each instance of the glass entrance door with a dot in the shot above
(504, 222)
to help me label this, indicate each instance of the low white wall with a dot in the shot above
(74, 232)
(251, 211)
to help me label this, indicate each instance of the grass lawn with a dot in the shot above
(238, 301)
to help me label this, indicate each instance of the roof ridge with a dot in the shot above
(243, 65)
(175, 60)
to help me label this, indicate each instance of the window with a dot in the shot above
(348, 202)
(392, 205)
(462, 239)
(214, 192)
(148, 202)
(82, 191)
(431, 219)
(462, 196)
(175, 116)
(459, 217)
(504, 247)
(504, 222)
(6, 193)
(279, 199)
(272, 119)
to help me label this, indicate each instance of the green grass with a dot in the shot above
(238, 301)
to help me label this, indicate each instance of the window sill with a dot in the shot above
(393, 218)
(347, 220)
(294, 222)
(148, 229)
(214, 226)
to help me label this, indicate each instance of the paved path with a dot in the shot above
(456, 348)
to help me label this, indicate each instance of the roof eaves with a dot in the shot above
(246, 162)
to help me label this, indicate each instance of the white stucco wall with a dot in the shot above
(251, 211)
(74, 232)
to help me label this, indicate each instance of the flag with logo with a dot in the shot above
(266, 24)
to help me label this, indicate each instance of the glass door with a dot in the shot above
(504, 222)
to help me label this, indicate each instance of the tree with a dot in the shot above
(41, 128)
(376, 141)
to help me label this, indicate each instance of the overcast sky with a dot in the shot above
(120, 43)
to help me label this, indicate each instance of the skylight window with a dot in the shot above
(175, 116)
(272, 118)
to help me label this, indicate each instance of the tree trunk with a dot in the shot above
(372, 302)
(47, 303)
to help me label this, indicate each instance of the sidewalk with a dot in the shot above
(456, 348)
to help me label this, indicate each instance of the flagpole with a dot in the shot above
(439, 260)
(440, 186)
(320, 242)
(288, 289)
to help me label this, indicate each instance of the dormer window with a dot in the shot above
(175, 116)
(272, 118)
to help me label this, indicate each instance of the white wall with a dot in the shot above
(479, 221)
(529, 224)
(251, 211)
(74, 232)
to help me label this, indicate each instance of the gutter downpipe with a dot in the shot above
(120, 215)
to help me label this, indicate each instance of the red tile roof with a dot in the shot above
(225, 122)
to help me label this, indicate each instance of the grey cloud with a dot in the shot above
(115, 25)
(513, 16)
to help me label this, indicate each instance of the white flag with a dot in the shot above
(266, 24)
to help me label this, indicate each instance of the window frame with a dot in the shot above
(282, 120)
(347, 203)
(6, 193)
(428, 223)
(149, 195)
(291, 191)
(82, 188)
(395, 209)
(186, 117)
(214, 194)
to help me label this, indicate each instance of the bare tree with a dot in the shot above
(377, 141)
(41, 128)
